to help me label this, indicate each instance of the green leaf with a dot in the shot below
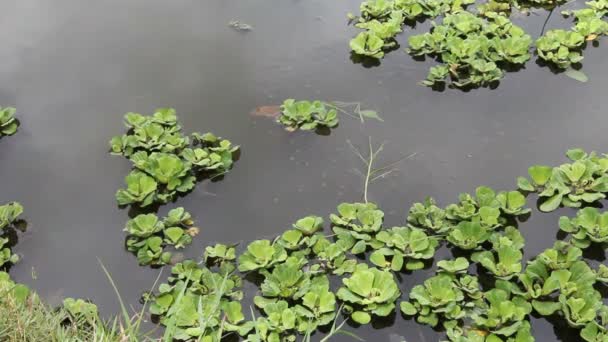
(371, 114)
(551, 203)
(576, 75)
(361, 317)
(408, 308)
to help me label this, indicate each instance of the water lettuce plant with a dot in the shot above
(367, 292)
(148, 235)
(584, 180)
(404, 248)
(589, 226)
(261, 254)
(198, 303)
(9, 216)
(166, 162)
(8, 122)
(502, 314)
(307, 115)
(445, 297)
(473, 51)
(504, 260)
(429, 217)
(357, 224)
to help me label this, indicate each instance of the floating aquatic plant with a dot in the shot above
(404, 247)
(9, 215)
(584, 180)
(198, 303)
(307, 115)
(148, 235)
(563, 48)
(430, 217)
(476, 47)
(261, 254)
(367, 292)
(589, 226)
(504, 260)
(8, 122)
(357, 225)
(294, 272)
(166, 162)
(444, 297)
(382, 20)
(473, 50)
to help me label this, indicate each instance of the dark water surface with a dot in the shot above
(73, 68)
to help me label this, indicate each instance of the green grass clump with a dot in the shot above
(24, 317)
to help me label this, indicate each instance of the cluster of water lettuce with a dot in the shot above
(307, 115)
(382, 20)
(9, 216)
(475, 47)
(474, 51)
(8, 122)
(583, 181)
(148, 236)
(293, 273)
(166, 162)
(562, 48)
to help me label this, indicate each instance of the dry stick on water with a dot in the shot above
(374, 174)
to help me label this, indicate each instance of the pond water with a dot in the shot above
(73, 68)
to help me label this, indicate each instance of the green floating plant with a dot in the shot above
(200, 304)
(382, 21)
(307, 115)
(8, 122)
(285, 281)
(468, 235)
(444, 297)
(78, 309)
(589, 226)
(9, 215)
(584, 180)
(165, 161)
(369, 291)
(357, 224)
(378, 37)
(332, 256)
(313, 304)
(404, 248)
(559, 282)
(302, 237)
(473, 51)
(499, 316)
(430, 217)
(504, 260)
(261, 254)
(454, 300)
(148, 235)
(563, 48)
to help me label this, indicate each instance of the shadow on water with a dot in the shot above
(562, 331)
(365, 61)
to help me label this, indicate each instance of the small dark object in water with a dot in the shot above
(267, 111)
(239, 26)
